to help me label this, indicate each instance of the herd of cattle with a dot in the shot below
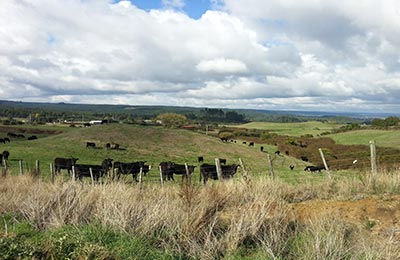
(167, 169)
(18, 136)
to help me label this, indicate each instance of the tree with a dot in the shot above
(172, 119)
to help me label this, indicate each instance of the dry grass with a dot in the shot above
(212, 222)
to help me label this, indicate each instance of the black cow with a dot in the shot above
(244, 142)
(11, 135)
(314, 168)
(210, 171)
(64, 163)
(90, 145)
(200, 159)
(287, 152)
(251, 144)
(131, 168)
(20, 136)
(224, 139)
(1, 159)
(166, 170)
(222, 161)
(7, 139)
(2, 141)
(291, 167)
(87, 125)
(304, 158)
(32, 137)
(261, 148)
(278, 152)
(83, 170)
(179, 169)
(108, 146)
(6, 154)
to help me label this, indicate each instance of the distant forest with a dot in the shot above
(13, 112)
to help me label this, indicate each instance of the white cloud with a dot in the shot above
(311, 54)
(223, 66)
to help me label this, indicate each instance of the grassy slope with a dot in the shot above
(293, 129)
(390, 138)
(153, 144)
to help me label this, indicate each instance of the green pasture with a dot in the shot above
(384, 138)
(293, 129)
(151, 144)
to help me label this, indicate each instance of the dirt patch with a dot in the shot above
(380, 215)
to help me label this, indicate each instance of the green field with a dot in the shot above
(385, 138)
(293, 129)
(152, 144)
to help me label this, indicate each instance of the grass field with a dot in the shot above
(385, 138)
(293, 129)
(152, 144)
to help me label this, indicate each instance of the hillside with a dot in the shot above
(384, 138)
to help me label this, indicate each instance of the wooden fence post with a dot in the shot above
(91, 175)
(161, 176)
(52, 172)
(140, 178)
(372, 146)
(218, 166)
(271, 167)
(21, 169)
(324, 161)
(188, 175)
(37, 168)
(245, 173)
(73, 173)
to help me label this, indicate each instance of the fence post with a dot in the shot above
(91, 175)
(188, 175)
(73, 173)
(372, 146)
(37, 168)
(271, 167)
(218, 166)
(140, 178)
(21, 169)
(324, 161)
(161, 176)
(5, 167)
(52, 172)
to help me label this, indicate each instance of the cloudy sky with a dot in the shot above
(321, 55)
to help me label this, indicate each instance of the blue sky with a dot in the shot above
(323, 55)
(193, 8)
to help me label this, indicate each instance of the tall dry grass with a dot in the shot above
(212, 222)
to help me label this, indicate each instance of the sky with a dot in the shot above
(317, 55)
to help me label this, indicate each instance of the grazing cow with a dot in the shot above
(261, 148)
(210, 171)
(2, 141)
(83, 170)
(20, 136)
(251, 144)
(166, 170)
(180, 169)
(32, 137)
(222, 161)
(6, 154)
(200, 159)
(314, 168)
(304, 158)
(131, 168)
(108, 146)
(115, 146)
(64, 163)
(12, 135)
(90, 145)
(287, 152)
(87, 125)
(7, 139)
(278, 152)
(244, 142)
(291, 167)
(224, 139)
